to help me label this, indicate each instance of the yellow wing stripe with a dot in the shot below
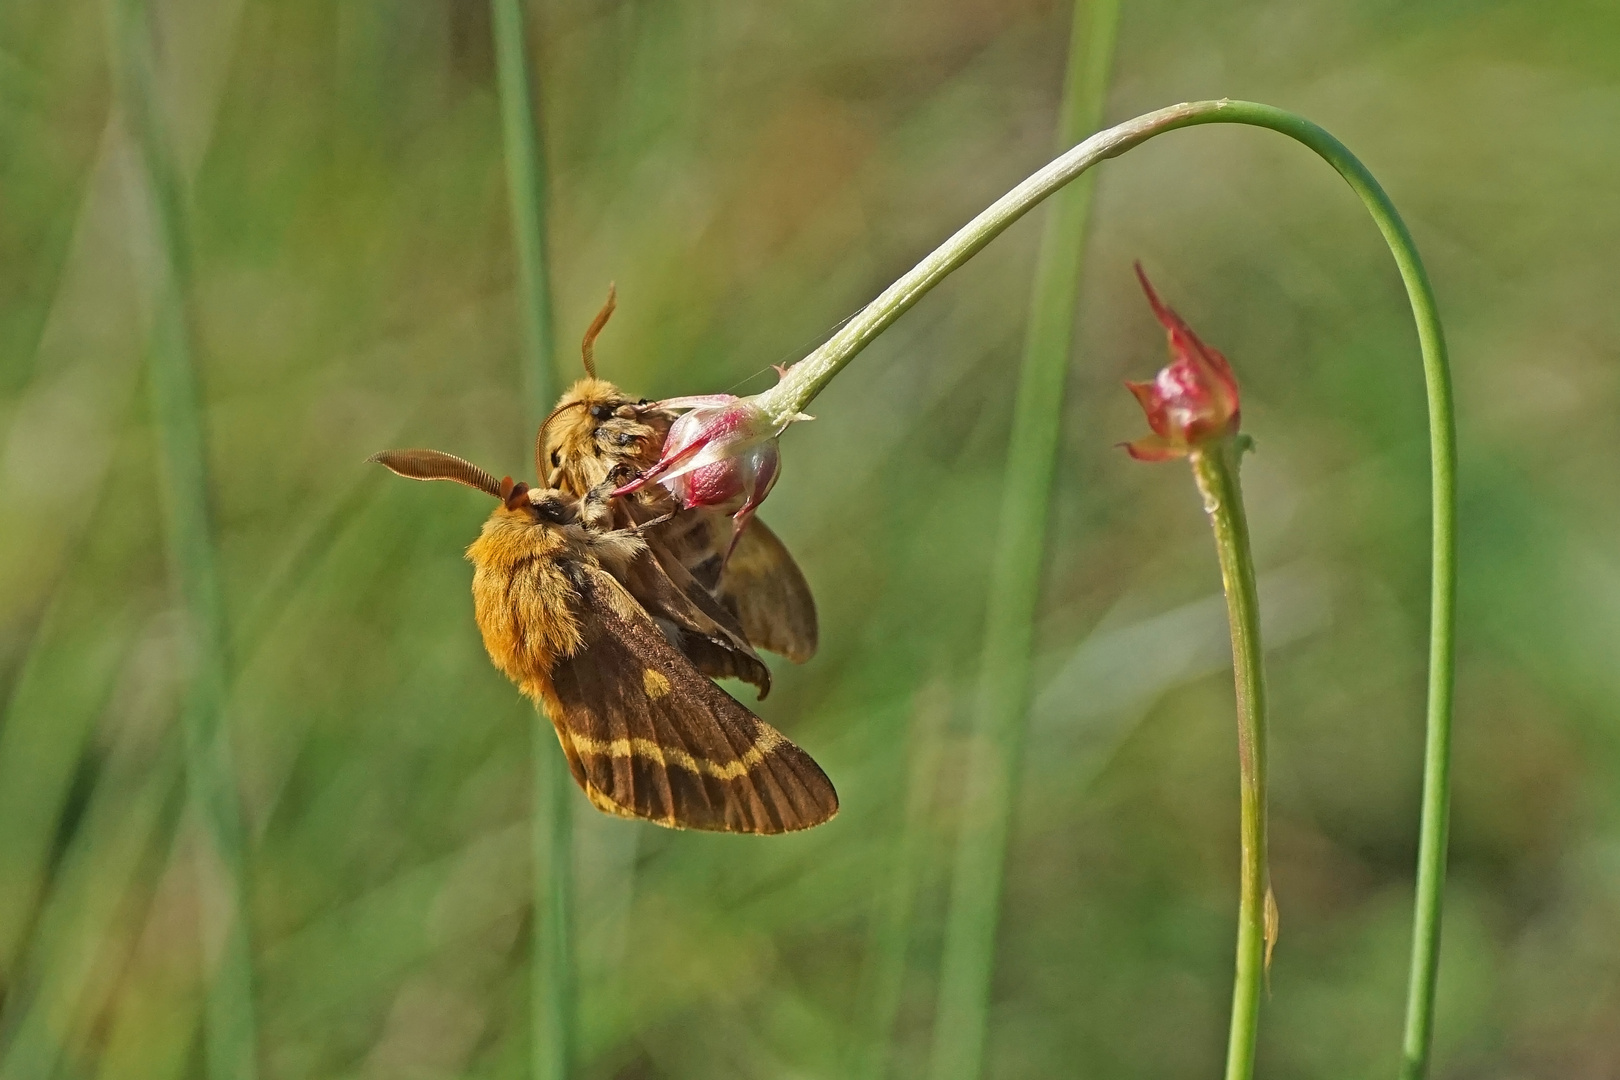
(666, 756)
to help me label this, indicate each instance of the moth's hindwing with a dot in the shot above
(648, 736)
(766, 590)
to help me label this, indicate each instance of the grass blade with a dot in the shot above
(230, 1023)
(44, 729)
(885, 973)
(526, 194)
(98, 875)
(1004, 693)
(552, 974)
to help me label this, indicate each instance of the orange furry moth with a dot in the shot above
(612, 612)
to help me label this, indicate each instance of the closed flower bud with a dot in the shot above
(1192, 400)
(721, 454)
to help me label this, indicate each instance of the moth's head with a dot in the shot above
(595, 424)
(547, 506)
(525, 507)
(582, 409)
(528, 523)
(568, 445)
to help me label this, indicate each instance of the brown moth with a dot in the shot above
(590, 625)
(595, 427)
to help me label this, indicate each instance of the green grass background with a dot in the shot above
(749, 173)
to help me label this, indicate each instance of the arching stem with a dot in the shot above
(807, 378)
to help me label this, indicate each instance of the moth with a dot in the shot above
(590, 624)
(596, 427)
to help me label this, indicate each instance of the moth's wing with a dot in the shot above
(765, 589)
(648, 736)
(706, 633)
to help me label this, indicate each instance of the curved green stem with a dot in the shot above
(1215, 468)
(808, 377)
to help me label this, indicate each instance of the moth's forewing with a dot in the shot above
(698, 626)
(648, 736)
(766, 590)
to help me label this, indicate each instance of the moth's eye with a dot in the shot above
(601, 412)
(552, 510)
(556, 459)
(643, 401)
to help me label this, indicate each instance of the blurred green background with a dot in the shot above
(749, 173)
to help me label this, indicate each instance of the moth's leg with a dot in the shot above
(641, 526)
(596, 507)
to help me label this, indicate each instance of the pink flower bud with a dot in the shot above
(722, 454)
(1192, 400)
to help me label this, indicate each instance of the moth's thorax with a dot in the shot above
(513, 536)
(522, 590)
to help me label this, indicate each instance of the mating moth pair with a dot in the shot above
(611, 609)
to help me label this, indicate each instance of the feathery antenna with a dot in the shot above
(588, 347)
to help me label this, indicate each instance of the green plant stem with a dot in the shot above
(885, 974)
(552, 972)
(99, 871)
(1004, 691)
(1215, 468)
(230, 1023)
(805, 379)
(526, 189)
(553, 975)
